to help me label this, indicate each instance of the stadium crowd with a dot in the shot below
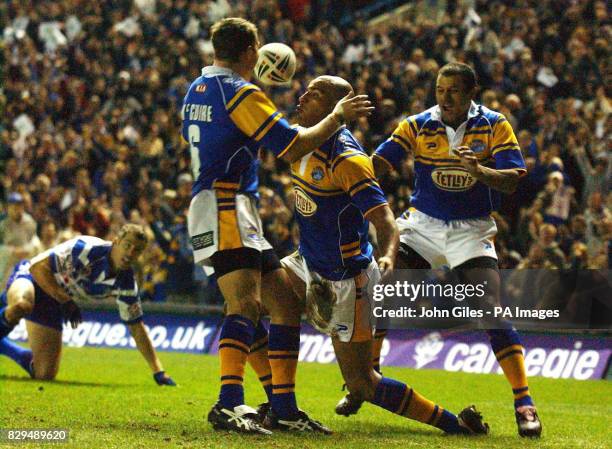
(91, 96)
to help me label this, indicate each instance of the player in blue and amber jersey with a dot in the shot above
(45, 291)
(464, 156)
(226, 120)
(336, 197)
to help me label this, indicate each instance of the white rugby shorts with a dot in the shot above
(450, 243)
(223, 219)
(351, 315)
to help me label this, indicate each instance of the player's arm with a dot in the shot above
(390, 154)
(353, 172)
(43, 275)
(257, 117)
(145, 346)
(387, 236)
(505, 180)
(346, 110)
(509, 163)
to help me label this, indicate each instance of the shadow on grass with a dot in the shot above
(76, 383)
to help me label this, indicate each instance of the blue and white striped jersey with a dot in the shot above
(82, 267)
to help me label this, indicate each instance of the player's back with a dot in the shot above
(335, 188)
(215, 117)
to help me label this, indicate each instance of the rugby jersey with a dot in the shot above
(81, 266)
(226, 120)
(335, 189)
(443, 188)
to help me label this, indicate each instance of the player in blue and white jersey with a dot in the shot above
(45, 290)
(226, 120)
(464, 156)
(336, 198)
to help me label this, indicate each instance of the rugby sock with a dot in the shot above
(379, 337)
(284, 348)
(402, 400)
(258, 358)
(19, 354)
(5, 326)
(234, 344)
(506, 345)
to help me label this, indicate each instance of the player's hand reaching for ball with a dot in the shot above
(352, 107)
(469, 161)
(161, 378)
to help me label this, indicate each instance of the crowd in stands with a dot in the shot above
(91, 96)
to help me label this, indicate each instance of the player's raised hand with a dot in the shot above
(161, 378)
(469, 161)
(352, 107)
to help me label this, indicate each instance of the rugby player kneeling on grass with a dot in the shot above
(43, 290)
(333, 272)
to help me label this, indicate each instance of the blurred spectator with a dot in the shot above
(91, 96)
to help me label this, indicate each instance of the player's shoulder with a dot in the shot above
(344, 142)
(491, 116)
(229, 82)
(417, 121)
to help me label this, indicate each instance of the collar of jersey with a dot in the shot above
(213, 70)
(436, 114)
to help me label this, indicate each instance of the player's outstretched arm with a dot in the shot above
(505, 180)
(43, 275)
(346, 110)
(381, 167)
(144, 345)
(387, 235)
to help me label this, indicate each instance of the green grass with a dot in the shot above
(107, 399)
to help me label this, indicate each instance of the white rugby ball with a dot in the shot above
(276, 64)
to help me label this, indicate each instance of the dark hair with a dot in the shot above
(231, 37)
(466, 72)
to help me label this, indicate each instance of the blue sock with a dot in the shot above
(234, 344)
(283, 352)
(400, 399)
(21, 355)
(5, 327)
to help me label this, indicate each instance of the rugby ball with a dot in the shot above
(275, 65)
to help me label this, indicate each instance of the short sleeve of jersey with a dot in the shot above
(505, 148)
(128, 303)
(352, 171)
(394, 149)
(256, 116)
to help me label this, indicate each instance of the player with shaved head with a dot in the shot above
(334, 271)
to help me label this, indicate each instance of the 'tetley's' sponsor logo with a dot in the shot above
(452, 179)
(304, 204)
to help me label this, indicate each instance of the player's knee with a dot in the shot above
(250, 308)
(45, 372)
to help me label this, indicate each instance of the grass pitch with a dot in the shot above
(108, 399)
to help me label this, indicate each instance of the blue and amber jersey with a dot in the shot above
(81, 266)
(226, 120)
(335, 190)
(443, 188)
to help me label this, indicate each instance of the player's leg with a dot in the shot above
(239, 279)
(258, 358)
(407, 258)
(46, 344)
(506, 344)
(283, 303)
(365, 384)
